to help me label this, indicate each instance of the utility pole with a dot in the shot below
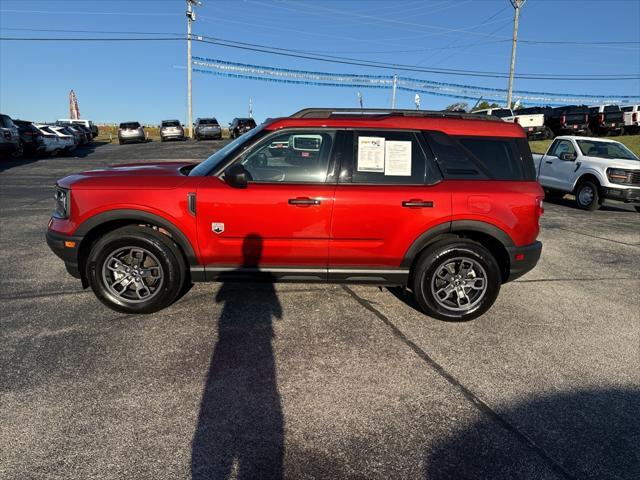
(250, 108)
(517, 5)
(393, 92)
(360, 99)
(191, 17)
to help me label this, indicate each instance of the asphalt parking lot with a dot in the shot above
(317, 381)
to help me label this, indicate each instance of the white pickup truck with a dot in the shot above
(532, 124)
(594, 169)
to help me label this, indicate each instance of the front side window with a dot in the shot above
(300, 156)
(563, 146)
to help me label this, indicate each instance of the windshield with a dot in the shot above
(210, 163)
(171, 123)
(593, 148)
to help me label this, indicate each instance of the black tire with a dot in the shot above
(548, 133)
(588, 196)
(120, 142)
(637, 207)
(163, 257)
(588, 132)
(432, 261)
(19, 151)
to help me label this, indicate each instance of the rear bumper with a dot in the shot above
(535, 131)
(523, 259)
(628, 195)
(61, 246)
(570, 130)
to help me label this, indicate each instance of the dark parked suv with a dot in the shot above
(241, 125)
(446, 204)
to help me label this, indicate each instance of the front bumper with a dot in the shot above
(65, 247)
(628, 195)
(523, 259)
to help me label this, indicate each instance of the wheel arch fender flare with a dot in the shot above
(588, 173)
(456, 226)
(133, 215)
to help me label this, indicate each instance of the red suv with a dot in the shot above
(446, 204)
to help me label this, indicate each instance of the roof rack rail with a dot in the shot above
(386, 112)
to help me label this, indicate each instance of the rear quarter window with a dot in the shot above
(482, 158)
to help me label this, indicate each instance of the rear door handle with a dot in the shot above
(548, 161)
(417, 204)
(304, 201)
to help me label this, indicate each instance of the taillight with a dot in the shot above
(563, 120)
(634, 117)
(601, 118)
(586, 118)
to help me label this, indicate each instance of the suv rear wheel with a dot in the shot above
(135, 269)
(456, 280)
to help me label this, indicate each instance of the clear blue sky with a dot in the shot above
(146, 81)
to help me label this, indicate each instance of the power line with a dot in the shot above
(342, 60)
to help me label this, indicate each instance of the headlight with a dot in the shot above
(617, 175)
(62, 196)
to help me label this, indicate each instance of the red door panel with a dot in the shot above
(371, 227)
(291, 221)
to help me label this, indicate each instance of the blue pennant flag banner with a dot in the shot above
(453, 90)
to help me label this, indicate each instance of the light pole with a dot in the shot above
(191, 17)
(360, 99)
(393, 92)
(517, 5)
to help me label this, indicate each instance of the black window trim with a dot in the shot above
(348, 159)
(330, 178)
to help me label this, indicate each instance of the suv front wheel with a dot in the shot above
(135, 269)
(456, 280)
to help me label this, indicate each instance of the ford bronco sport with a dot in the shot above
(445, 204)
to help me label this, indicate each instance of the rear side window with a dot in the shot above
(496, 158)
(501, 112)
(387, 157)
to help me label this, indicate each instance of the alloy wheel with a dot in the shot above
(132, 274)
(459, 284)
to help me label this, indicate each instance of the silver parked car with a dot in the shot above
(207, 128)
(171, 130)
(131, 132)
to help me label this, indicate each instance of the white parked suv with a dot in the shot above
(532, 124)
(594, 169)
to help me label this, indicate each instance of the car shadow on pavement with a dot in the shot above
(568, 201)
(586, 434)
(240, 425)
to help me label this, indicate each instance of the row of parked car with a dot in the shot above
(548, 122)
(203, 129)
(22, 137)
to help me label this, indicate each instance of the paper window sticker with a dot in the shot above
(371, 154)
(397, 158)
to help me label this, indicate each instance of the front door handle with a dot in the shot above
(304, 201)
(417, 204)
(548, 161)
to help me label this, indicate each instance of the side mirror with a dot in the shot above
(236, 176)
(568, 157)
